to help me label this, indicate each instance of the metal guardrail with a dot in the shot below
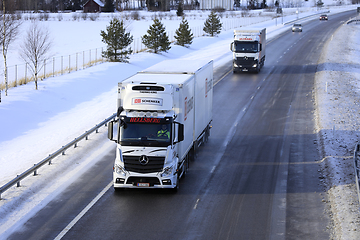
(357, 169)
(303, 18)
(53, 155)
(353, 20)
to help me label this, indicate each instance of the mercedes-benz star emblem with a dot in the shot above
(143, 160)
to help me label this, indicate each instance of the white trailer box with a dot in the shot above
(248, 49)
(173, 97)
(203, 76)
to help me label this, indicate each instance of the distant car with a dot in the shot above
(296, 27)
(323, 17)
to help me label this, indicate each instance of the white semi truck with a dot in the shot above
(164, 115)
(248, 49)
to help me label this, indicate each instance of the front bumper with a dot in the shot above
(245, 66)
(150, 180)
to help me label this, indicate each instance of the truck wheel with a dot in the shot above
(185, 168)
(192, 155)
(118, 190)
(207, 134)
(176, 188)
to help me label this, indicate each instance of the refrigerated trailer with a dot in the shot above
(164, 114)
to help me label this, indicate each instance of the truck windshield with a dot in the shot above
(246, 47)
(145, 134)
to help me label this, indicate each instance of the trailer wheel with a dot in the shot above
(207, 134)
(192, 155)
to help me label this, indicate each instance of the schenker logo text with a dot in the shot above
(151, 101)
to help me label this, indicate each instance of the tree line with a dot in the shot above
(156, 39)
(118, 5)
(75, 5)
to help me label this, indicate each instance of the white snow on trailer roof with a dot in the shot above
(249, 29)
(159, 78)
(177, 66)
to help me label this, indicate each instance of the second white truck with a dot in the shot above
(164, 115)
(248, 49)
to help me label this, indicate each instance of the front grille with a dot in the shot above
(245, 61)
(133, 164)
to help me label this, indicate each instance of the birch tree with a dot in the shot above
(9, 31)
(35, 48)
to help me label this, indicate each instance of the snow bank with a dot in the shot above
(338, 112)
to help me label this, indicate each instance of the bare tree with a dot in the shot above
(36, 48)
(9, 31)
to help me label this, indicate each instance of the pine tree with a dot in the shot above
(156, 38)
(183, 34)
(212, 24)
(117, 41)
(180, 9)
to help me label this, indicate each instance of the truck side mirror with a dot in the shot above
(232, 46)
(181, 132)
(111, 130)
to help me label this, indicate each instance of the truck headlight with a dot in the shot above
(167, 171)
(119, 170)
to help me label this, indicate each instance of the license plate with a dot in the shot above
(143, 184)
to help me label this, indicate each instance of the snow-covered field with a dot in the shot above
(33, 124)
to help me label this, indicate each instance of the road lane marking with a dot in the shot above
(222, 77)
(197, 201)
(83, 212)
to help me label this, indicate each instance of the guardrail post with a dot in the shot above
(357, 170)
(18, 183)
(35, 170)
